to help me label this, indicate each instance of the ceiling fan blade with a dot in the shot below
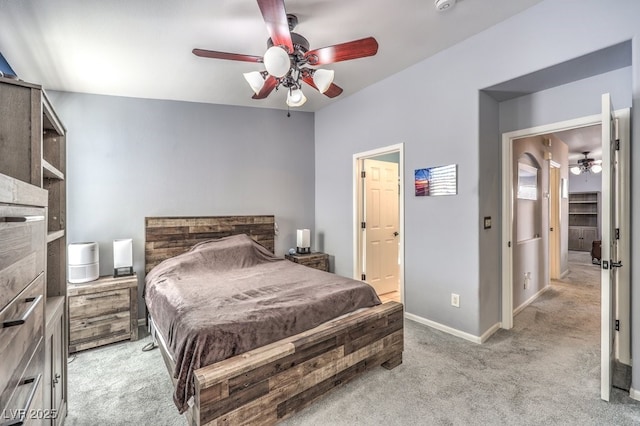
(275, 17)
(223, 55)
(269, 84)
(343, 52)
(333, 90)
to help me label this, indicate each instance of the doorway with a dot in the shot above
(378, 255)
(615, 301)
(555, 223)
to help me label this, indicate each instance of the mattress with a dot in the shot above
(231, 295)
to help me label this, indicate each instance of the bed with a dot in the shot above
(229, 381)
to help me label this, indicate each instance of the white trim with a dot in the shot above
(451, 330)
(623, 292)
(485, 336)
(530, 300)
(356, 198)
(507, 202)
(634, 394)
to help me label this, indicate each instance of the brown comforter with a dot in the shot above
(228, 296)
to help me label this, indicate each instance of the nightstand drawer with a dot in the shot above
(98, 327)
(98, 304)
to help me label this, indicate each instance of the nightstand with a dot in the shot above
(312, 260)
(102, 312)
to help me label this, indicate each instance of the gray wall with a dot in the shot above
(130, 158)
(438, 121)
(531, 218)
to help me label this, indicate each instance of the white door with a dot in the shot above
(381, 217)
(610, 259)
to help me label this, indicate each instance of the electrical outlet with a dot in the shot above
(455, 300)
(527, 280)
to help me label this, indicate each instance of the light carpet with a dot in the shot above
(545, 371)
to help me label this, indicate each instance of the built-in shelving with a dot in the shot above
(584, 220)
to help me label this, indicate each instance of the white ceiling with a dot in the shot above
(584, 139)
(142, 48)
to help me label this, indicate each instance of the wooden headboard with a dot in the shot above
(166, 237)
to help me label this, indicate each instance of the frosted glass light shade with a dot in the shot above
(323, 79)
(575, 170)
(296, 98)
(276, 61)
(596, 168)
(255, 80)
(303, 240)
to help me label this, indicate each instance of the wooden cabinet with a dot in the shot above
(22, 300)
(103, 311)
(312, 260)
(584, 220)
(32, 150)
(56, 365)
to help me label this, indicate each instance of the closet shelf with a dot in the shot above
(50, 172)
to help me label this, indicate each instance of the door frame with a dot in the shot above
(357, 209)
(623, 349)
(555, 222)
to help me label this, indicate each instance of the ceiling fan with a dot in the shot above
(586, 165)
(288, 60)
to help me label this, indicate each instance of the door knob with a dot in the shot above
(395, 234)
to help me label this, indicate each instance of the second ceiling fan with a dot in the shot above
(288, 60)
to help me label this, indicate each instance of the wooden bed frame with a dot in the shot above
(272, 382)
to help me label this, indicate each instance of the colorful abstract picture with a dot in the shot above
(441, 180)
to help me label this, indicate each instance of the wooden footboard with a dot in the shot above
(272, 382)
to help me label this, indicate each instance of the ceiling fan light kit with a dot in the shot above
(288, 60)
(323, 79)
(277, 61)
(586, 165)
(255, 80)
(296, 98)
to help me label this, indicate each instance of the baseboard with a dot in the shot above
(529, 301)
(495, 327)
(445, 328)
(634, 394)
(564, 274)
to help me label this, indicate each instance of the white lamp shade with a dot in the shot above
(255, 80)
(596, 168)
(276, 61)
(323, 79)
(575, 170)
(303, 238)
(296, 98)
(123, 253)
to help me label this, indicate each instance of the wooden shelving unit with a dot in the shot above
(584, 220)
(33, 150)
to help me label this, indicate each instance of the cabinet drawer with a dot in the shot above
(98, 304)
(22, 330)
(94, 328)
(27, 400)
(22, 232)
